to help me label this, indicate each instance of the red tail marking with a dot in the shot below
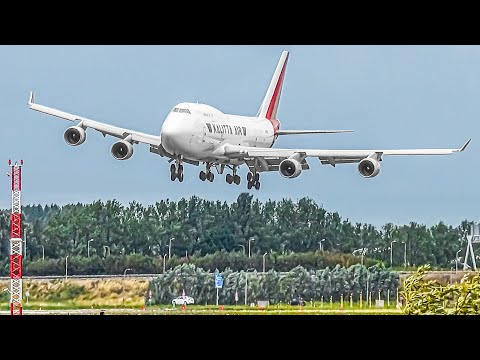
(277, 92)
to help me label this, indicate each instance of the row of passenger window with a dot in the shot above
(179, 110)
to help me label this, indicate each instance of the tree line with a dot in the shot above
(198, 227)
(276, 287)
(143, 264)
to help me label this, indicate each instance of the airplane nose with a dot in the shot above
(169, 131)
(172, 137)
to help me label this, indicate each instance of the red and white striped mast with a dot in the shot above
(16, 240)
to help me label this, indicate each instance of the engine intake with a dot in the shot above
(75, 136)
(290, 168)
(369, 168)
(122, 150)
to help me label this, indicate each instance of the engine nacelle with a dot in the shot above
(369, 168)
(290, 168)
(122, 150)
(75, 135)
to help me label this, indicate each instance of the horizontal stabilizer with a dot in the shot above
(301, 132)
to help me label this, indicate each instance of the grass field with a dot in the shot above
(71, 308)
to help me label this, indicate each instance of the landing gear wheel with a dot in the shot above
(173, 169)
(180, 169)
(257, 185)
(173, 176)
(203, 176)
(249, 177)
(257, 177)
(210, 176)
(236, 180)
(229, 178)
(249, 185)
(180, 177)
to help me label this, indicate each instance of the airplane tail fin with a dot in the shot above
(269, 107)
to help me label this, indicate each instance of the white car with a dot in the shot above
(183, 300)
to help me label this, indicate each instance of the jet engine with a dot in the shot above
(75, 135)
(290, 168)
(369, 168)
(122, 150)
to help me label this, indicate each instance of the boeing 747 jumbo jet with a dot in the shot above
(197, 134)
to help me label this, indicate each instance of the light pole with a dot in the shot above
(264, 262)
(391, 252)
(170, 248)
(405, 254)
(242, 247)
(320, 244)
(249, 241)
(88, 247)
(25, 241)
(66, 267)
(125, 272)
(106, 247)
(164, 256)
(368, 279)
(246, 284)
(362, 251)
(43, 252)
(456, 260)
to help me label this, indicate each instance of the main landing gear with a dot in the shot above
(233, 178)
(208, 175)
(176, 171)
(253, 180)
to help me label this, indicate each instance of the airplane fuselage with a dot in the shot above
(197, 131)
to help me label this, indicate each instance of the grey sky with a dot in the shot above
(391, 96)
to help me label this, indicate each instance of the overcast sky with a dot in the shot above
(393, 97)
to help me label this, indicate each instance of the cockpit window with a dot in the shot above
(180, 110)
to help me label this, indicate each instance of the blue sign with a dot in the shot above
(218, 281)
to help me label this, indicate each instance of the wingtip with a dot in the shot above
(465, 146)
(31, 98)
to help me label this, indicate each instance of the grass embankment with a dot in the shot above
(79, 293)
(126, 295)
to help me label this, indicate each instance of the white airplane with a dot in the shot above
(196, 133)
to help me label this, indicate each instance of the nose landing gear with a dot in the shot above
(176, 171)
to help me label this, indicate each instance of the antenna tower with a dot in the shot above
(16, 240)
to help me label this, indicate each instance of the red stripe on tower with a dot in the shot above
(15, 266)
(15, 225)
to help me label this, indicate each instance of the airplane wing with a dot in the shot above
(105, 129)
(268, 159)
